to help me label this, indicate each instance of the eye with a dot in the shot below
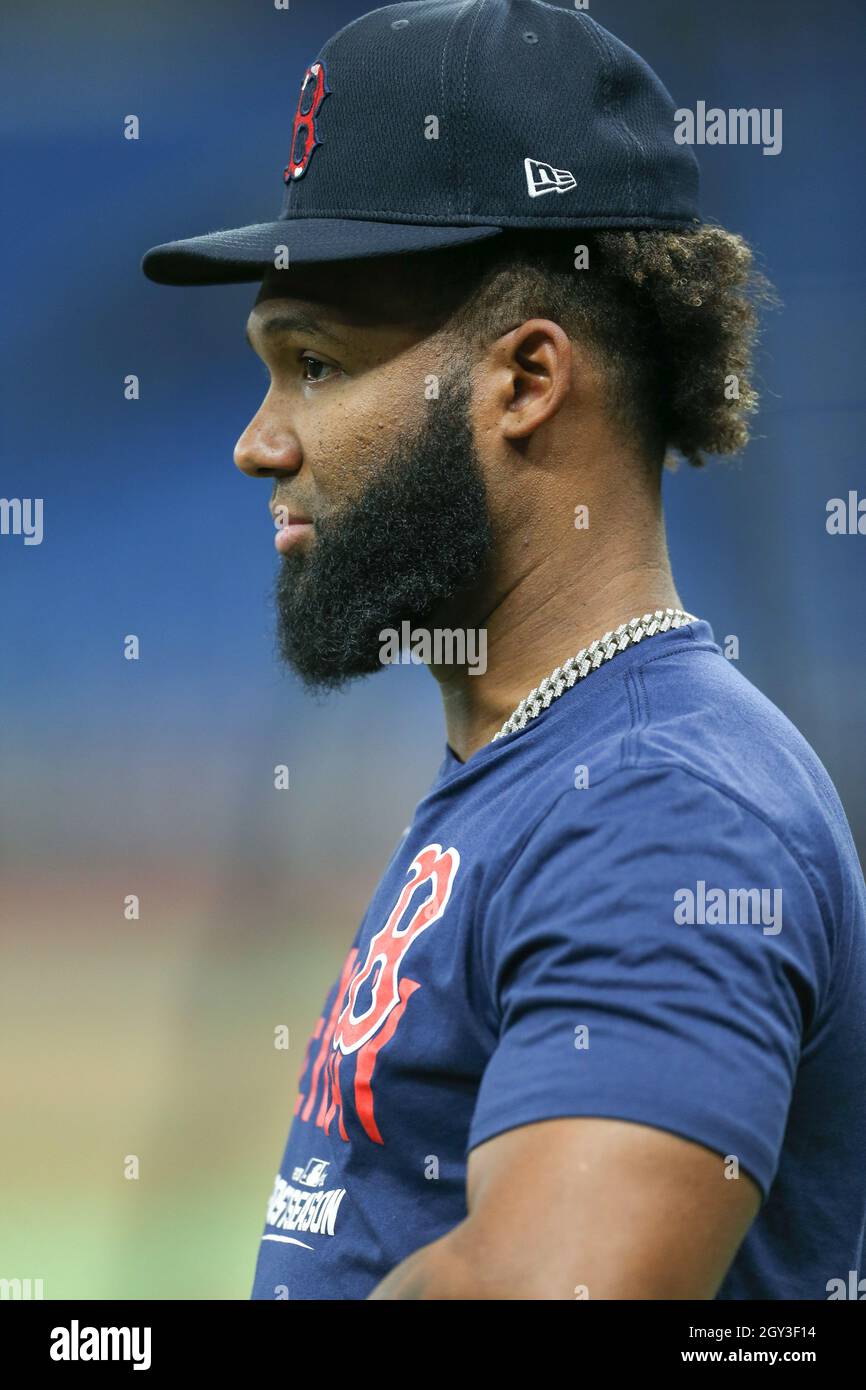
(314, 364)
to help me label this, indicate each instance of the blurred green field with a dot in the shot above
(157, 1044)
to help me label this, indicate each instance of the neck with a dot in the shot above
(540, 619)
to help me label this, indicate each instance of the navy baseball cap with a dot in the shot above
(435, 123)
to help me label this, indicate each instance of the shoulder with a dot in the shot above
(691, 784)
(656, 878)
(685, 748)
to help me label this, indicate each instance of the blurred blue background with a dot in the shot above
(155, 777)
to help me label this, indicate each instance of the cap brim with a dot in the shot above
(245, 253)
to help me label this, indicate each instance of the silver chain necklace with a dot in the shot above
(578, 667)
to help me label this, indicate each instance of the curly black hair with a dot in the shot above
(673, 316)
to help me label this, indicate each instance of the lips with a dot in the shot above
(291, 531)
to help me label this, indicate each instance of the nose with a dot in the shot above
(268, 447)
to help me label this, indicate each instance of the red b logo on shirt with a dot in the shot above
(312, 94)
(390, 944)
(345, 1031)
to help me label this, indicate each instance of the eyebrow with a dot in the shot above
(293, 321)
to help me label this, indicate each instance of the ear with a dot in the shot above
(532, 375)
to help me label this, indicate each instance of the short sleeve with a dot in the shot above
(656, 954)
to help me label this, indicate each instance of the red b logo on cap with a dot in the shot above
(312, 94)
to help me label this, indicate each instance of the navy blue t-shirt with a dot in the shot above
(645, 905)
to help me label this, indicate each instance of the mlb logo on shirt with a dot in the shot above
(313, 1173)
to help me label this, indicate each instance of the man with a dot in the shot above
(600, 1033)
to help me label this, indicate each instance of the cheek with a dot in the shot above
(347, 443)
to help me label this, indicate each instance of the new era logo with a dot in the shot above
(543, 178)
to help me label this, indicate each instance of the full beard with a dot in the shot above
(416, 538)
